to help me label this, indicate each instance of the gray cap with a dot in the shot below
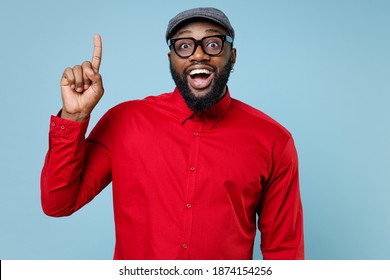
(212, 14)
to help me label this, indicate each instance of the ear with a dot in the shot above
(169, 56)
(233, 56)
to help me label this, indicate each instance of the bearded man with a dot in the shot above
(194, 172)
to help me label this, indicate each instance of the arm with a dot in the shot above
(280, 213)
(74, 171)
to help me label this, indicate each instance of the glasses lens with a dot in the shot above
(212, 45)
(184, 47)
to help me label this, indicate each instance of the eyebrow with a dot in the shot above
(207, 31)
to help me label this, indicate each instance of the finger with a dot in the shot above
(78, 77)
(93, 76)
(68, 78)
(97, 53)
(97, 84)
(86, 65)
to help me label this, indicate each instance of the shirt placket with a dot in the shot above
(195, 126)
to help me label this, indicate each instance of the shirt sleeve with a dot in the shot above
(75, 170)
(280, 213)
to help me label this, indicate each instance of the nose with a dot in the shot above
(199, 54)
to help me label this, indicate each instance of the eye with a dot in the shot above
(213, 43)
(184, 46)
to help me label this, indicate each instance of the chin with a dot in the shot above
(200, 93)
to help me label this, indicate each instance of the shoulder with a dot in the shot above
(273, 136)
(139, 105)
(256, 118)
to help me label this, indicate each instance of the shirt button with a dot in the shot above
(196, 134)
(63, 127)
(53, 124)
(192, 169)
(189, 206)
(185, 246)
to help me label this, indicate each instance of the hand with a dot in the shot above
(82, 86)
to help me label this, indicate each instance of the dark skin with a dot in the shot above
(198, 30)
(82, 86)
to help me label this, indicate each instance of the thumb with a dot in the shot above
(97, 83)
(94, 77)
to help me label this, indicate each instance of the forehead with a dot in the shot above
(201, 27)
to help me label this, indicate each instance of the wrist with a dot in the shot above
(77, 117)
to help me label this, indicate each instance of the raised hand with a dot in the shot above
(82, 86)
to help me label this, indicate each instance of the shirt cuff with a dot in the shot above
(67, 128)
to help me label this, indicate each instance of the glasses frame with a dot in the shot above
(224, 38)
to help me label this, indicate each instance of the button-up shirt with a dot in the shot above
(185, 185)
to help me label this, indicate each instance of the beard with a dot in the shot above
(200, 104)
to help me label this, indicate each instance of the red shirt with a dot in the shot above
(185, 185)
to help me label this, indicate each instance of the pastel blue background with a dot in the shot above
(321, 68)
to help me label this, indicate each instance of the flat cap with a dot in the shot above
(212, 14)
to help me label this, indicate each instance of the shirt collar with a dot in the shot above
(210, 117)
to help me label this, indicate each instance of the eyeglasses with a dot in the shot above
(211, 45)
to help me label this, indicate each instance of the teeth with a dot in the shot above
(200, 71)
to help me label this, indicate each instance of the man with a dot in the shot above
(190, 169)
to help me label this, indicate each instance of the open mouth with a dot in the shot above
(200, 78)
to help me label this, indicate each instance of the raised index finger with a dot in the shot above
(97, 53)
